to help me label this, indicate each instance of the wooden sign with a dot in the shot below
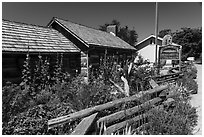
(169, 52)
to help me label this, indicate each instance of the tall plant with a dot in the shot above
(26, 73)
(42, 74)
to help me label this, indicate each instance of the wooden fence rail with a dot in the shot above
(89, 111)
(167, 78)
(92, 121)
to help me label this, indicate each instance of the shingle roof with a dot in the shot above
(18, 36)
(93, 36)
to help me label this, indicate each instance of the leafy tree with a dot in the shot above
(189, 38)
(164, 32)
(191, 41)
(129, 36)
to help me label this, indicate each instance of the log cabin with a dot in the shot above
(92, 42)
(81, 46)
(19, 38)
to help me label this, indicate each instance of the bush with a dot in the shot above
(34, 120)
(189, 83)
(139, 78)
(178, 119)
(189, 69)
(15, 100)
(28, 107)
(190, 73)
(42, 96)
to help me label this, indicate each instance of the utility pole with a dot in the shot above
(156, 37)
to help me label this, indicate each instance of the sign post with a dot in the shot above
(156, 36)
(168, 51)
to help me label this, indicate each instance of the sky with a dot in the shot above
(139, 16)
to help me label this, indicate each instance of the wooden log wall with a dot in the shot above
(92, 59)
(12, 64)
(11, 68)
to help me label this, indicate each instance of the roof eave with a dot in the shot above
(37, 52)
(49, 24)
(109, 47)
(58, 22)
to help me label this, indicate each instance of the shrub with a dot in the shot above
(138, 78)
(27, 107)
(36, 90)
(189, 69)
(189, 83)
(190, 73)
(34, 120)
(174, 120)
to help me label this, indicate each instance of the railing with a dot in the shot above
(168, 78)
(92, 119)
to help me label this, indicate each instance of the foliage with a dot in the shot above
(26, 73)
(42, 96)
(36, 89)
(41, 77)
(126, 131)
(130, 36)
(34, 120)
(164, 32)
(28, 107)
(189, 38)
(58, 74)
(191, 41)
(188, 80)
(139, 78)
(178, 120)
(10, 93)
(190, 70)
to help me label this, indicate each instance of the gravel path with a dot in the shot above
(196, 100)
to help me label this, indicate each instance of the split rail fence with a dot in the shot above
(137, 115)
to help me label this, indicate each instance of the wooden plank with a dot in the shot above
(153, 83)
(86, 112)
(84, 126)
(128, 112)
(113, 128)
(123, 124)
(166, 75)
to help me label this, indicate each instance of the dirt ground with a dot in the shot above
(196, 100)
